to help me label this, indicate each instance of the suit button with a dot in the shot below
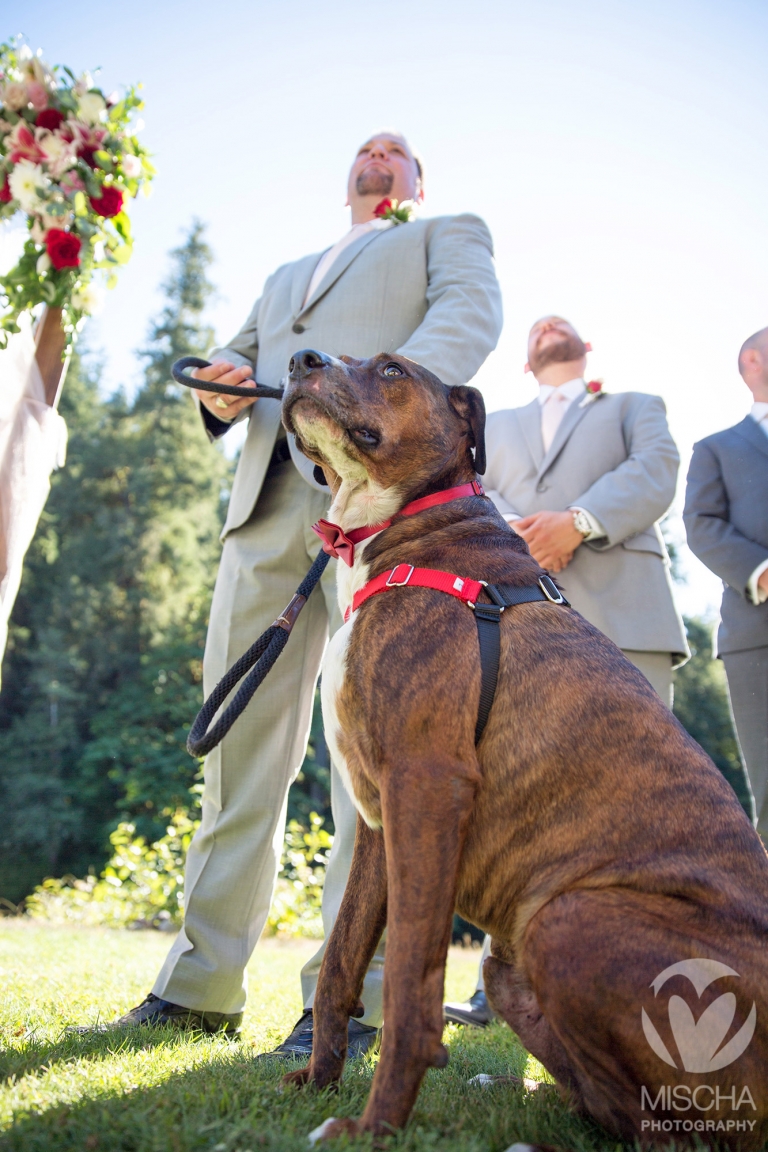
(541, 486)
(298, 328)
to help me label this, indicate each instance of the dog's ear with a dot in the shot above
(319, 475)
(468, 403)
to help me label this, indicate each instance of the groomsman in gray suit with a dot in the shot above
(425, 289)
(584, 477)
(726, 518)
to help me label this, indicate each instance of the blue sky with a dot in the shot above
(617, 151)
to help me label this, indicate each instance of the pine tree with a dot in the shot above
(105, 654)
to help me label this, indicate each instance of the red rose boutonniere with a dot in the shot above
(594, 392)
(399, 213)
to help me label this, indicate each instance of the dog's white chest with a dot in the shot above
(334, 672)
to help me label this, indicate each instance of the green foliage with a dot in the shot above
(299, 891)
(701, 706)
(143, 884)
(104, 663)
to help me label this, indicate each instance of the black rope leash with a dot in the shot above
(260, 391)
(263, 653)
(260, 658)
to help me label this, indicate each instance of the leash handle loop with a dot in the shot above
(257, 662)
(260, 391)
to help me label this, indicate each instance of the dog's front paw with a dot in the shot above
(333, 1127)
(297, 1079)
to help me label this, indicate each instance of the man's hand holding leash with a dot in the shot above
(221, 371)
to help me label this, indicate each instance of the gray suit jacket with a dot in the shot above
(726, 518)
(426, 289)
(612, 455)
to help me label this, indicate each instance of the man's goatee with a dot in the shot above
(374, 183)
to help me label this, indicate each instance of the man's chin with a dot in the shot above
(374, 184)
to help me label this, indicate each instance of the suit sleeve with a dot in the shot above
(632, 497)
(243, 349)
(717, 543)
(464, 314)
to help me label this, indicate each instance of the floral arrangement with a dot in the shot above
(69, 160)
(399, 213)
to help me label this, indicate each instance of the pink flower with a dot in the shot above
(71, 182)
(23, 145)
(595, 386)
(38, 97)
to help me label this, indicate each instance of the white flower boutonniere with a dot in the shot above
(594, 392)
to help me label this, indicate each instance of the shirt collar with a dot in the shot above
(572, 389)
(759, 411)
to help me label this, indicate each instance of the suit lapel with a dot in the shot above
(302, 274)
(574, 414)
(339, 266)
(750, 431)
(530, 422)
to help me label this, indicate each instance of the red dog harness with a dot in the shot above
(341, 545)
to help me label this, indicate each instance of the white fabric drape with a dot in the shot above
(33, 439)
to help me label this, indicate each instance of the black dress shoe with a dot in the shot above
(476, 1011)
(298, 1046)
(156, 1013)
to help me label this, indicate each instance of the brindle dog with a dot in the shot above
(587, 832)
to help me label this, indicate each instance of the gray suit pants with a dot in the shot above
(747, 674)
(234, 857)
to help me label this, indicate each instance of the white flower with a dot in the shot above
(91, 107)
(43, 264)
(83, 84)
(131, 166)
(25, 181)
(98, 251)
(87, 298)
(14, 96)
(59, 153)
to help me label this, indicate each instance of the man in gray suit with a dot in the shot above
(425, 289)
(584, 477)
(726, 518)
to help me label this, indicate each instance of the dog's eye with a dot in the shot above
(365, 436)
(393, 370)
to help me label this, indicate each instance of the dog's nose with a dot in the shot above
(306, 361)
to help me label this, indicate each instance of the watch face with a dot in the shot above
(581, 524)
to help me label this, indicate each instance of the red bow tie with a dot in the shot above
(335, 541)
(341, 544)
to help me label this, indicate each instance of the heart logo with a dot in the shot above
(698, 1041)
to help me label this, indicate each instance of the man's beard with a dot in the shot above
(567, 347)
(374, 182)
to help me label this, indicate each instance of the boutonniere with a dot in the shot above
(400, 213)
(594, 392)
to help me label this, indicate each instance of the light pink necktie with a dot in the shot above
(551, 414)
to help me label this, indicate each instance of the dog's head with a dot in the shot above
(382, 430)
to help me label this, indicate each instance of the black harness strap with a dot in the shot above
(488, 617)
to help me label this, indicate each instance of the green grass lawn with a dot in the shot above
(147, 1091)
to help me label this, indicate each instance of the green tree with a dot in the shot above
(104, 660)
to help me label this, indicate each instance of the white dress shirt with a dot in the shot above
(759, 413)
(328, 259)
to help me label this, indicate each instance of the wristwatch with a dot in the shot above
(581, 522)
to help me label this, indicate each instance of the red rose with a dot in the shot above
(595, 386)
(5, 192)
(109, 203)
(49, 118)
(382, 207)
(63, 248)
